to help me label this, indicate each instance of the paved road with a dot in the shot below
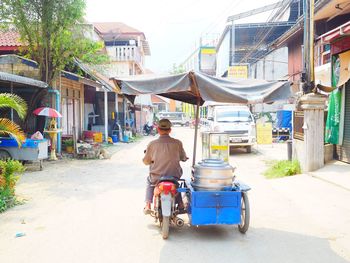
(91, 211)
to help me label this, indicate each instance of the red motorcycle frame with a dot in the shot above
(165, 210)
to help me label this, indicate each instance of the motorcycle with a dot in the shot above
(149, 129)
(165, 204)
(193, 124)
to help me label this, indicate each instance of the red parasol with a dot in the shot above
(48, 112)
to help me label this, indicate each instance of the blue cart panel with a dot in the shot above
(31, 150)
(215, 207)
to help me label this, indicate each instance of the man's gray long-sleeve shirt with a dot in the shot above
(164, 156)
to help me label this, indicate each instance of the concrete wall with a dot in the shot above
(21, 70)
(273, 66)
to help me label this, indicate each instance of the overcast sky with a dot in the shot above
(173, 28)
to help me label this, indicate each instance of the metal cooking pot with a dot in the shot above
(212, 175)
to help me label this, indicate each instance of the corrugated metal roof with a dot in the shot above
(105, 81)
(320, 5)
(13, 59)
(22, 80)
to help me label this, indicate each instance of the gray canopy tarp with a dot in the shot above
(194, 87)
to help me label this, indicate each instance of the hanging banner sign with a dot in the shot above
(238, 72)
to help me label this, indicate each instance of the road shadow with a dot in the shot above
(243, 152)
(227, 244)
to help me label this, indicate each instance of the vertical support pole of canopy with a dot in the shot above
(11, 93)
(196, 133)
(195, 90)
(106, 115)
(116, 108)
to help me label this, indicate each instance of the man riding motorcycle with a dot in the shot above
(149, 128)
(163, 156)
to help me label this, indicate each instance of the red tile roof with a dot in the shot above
(10, 39)
(157, 99)
(108, 30)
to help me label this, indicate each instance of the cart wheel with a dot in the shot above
(4, 155)
(245, 214)
(165, 227)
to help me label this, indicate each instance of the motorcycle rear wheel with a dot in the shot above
(165, 226)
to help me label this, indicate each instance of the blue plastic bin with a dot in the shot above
(115, 138)
(126, 138)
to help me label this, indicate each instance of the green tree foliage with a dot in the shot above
(8, 127)
(52, 32)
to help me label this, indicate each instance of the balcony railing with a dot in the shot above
(128, 53)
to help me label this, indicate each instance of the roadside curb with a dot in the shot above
(312, 174)
(123, 146)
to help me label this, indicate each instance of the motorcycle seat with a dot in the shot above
(169, 179)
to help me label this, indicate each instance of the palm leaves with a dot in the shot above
(15, 102)
(8, 127)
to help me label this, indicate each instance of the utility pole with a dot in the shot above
(308, 76)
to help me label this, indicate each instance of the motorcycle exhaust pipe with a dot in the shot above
(179, 222)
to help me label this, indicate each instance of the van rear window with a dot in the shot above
(233, 116)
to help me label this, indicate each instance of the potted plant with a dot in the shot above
(69, 144)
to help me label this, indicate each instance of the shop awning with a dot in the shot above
(192, 87)
(336, 33)
(22, 80)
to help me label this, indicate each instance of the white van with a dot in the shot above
(237, 121)
(176, 118)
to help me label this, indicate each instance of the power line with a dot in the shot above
(222, 14)
(265, 34)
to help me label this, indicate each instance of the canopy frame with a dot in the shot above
(185, 87)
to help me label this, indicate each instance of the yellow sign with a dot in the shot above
(238, 72)
(219, 147)
(264, 133)
(208, 51)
